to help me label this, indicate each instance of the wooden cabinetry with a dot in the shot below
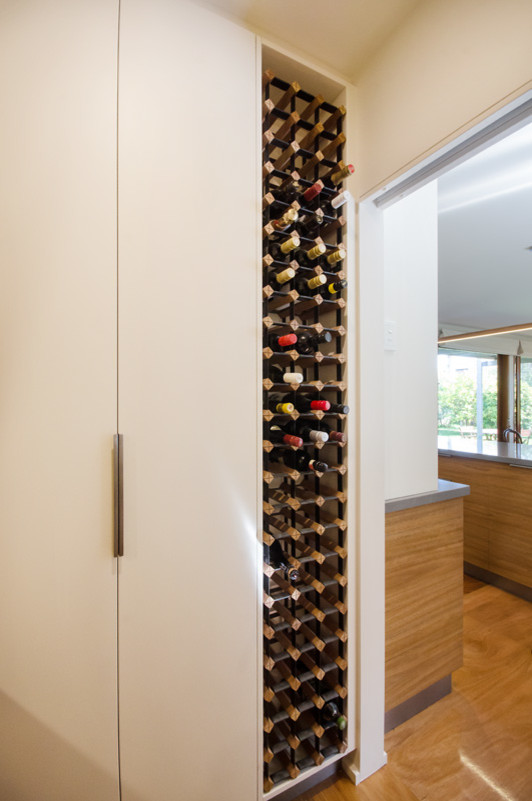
(423, 598)
(497, 515)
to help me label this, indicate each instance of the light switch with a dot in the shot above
(390, 335)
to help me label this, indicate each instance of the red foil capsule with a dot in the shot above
(313, 191)
(289, 439)
(337, 436)
(320, 405)
(286, 340)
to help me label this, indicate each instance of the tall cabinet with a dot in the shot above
(188, 384)
(58, 579)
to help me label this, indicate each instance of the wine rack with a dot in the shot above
(304, 419)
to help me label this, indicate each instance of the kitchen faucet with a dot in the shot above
(517, 435)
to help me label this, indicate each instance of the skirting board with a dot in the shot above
(394, 717)
(502, 583)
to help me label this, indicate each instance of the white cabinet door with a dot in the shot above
(188, 404)
(58, 732)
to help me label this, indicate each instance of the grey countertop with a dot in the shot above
(445, 492)
(486, 449)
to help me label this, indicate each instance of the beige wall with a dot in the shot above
(450, 64)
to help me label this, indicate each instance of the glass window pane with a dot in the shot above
(467, 394)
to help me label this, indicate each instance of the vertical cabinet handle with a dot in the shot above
(118, 494)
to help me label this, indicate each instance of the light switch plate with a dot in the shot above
(390, 335)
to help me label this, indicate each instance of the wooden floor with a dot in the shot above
(475, 744)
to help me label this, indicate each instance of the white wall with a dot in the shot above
(450, 64)
(410, 370)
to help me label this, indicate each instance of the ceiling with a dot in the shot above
(342, 34)
(484, 230)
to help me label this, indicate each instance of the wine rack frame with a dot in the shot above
(305, 623)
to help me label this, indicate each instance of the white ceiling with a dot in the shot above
(342, 34)
(484, 228)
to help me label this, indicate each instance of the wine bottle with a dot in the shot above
(309, 341)
(275, 433)
(280, 342)
(309, 224)
(343, 172)
(330, 712)
(285, 246)
(331, 288)
(331, 204)
(299, 460)
(336, 255)
(338, 408)
(285, 221)
(310, 286)
(292, 189)
(304, 404)
(313, 253)
(279, 376)
(334, 436)
(288, 190)
(311, 192)
(284, 276)
(309, 433)
(280, 405)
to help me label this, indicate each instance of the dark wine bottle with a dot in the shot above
(339, 408)
(279, 342)
(309, 433)
(278, 559)
(334, 436)
(276, 434)
(330, 712)
(280, 376)
(309, 341)
(331, 288)
(304, 404)
(299, 460)
(309, 224)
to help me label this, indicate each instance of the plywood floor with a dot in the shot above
(475, 744)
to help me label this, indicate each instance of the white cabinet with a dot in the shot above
(58, 619)
(188, 378)
(183, 310)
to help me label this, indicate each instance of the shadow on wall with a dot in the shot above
(36, 764)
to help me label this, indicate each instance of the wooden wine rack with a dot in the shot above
(305, 624)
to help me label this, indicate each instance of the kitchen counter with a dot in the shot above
(505, 452)
(445, 492)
